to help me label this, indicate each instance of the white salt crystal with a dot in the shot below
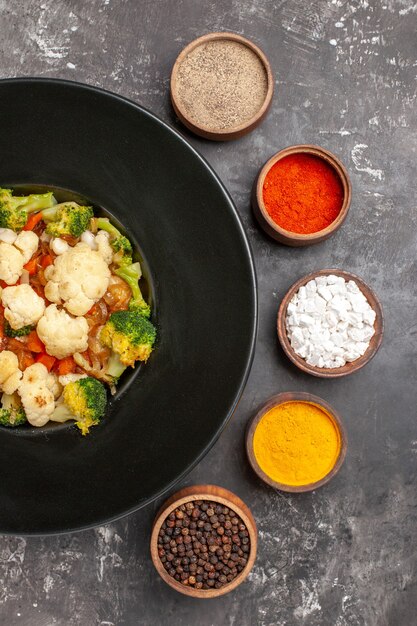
(302, 293)
(297, 338)
(332, 279)
(320, 304)
(325, 292)
(352, 286)
(368, 333)
(306, 320)
(311, 287)
(291, 308)
(329, 322)
(337, 288)
(358, 302)
(369, 316)
(310, 306)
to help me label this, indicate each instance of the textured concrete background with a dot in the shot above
(345, 79)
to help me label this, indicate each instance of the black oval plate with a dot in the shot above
(129, 162)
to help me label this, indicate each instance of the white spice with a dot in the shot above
(330, 322)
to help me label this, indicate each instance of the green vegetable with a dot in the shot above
(67, 218)
(115, 367)
(130, 335)
(14, 210)
(131, 274)
(20, 332)
(84, 401)
(120, 244)
(11, 412)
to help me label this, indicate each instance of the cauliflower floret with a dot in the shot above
(70, 378)
(62, 334)
(102, 240)
(51, 290)
(23, 306)
(14, 256)
(10, 373)
(11, 263)
(27, 243)
(37, 375)
(37, 394)
(78, 278)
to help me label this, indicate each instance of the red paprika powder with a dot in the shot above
(302, 193)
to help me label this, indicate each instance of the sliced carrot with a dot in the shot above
(34, 219)
(34, 344)
(47, 360)
(46, 260)
(31, 266)
(66, 366)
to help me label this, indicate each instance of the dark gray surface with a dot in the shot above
(345, 79)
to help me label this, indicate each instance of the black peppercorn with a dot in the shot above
(203, 544)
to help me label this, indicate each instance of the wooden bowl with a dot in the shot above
(287, 237)
(349, 368)
(282, 398)
(216, 494)
(221, 134)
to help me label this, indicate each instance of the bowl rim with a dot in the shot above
(221, 133)
(283, 398)
(215, 494)
(349, 368)
(98, 91)
(337, 166)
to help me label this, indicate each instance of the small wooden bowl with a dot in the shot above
(282, 398)
(349, 368)
(221, 134)
(280, 234)
(216, 494)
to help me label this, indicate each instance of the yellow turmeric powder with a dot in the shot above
(296, 443)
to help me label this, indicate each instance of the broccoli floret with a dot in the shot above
(86, 399)
(131, 274)
(123, 248)
(130, 335)
(11, 412)
(120, 244)
(14, 210)
(83, 401)
(20, 332)
(67, 218)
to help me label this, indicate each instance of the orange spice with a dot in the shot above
(296, 443)
(302, 193)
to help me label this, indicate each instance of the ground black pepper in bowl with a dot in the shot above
(203, 544)
(221, 86)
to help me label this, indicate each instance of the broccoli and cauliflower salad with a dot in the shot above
(72, 314)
